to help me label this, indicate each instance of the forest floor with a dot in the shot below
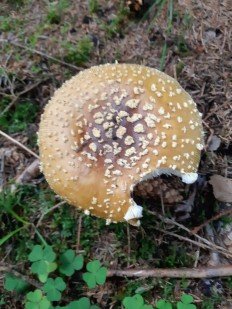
(43, 44)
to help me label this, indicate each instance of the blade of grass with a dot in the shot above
(40, 237)
(170, 15)
(163, 56)
(17, 217)
(168, 31)
(8, 236)
(25, 224)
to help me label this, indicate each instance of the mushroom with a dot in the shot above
(112, 126)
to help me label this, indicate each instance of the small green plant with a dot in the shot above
(95, 275)
(79, 53)
(9, 23)
(5, 23)
(186, 302)
(182, 47)
(44, 261)
(53, 288)
(36, 300)
(56, 10)
(13, 283)
(19, 117)
(163, 304)
(93, 6)
(114, 26)
(82, 303)
(135, 302)
(69, 263)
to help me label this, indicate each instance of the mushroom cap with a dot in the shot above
(111, 126)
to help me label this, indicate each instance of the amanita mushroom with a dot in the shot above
(112, 126)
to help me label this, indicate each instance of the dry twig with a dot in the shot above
(201, 272)
(196, 229)
(31, 172)
(196, 243)
(5, 268)
(128, 245)
(79, 234)
(213, 246)
(34, 51)
(18, 144)
(49, 210)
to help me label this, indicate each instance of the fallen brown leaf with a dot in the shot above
(222, 188)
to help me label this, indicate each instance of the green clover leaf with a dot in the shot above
(53, 288)
(48, 254)
(101, 275)
(15, 284)
(82, 303)
(38, 254)
(50, 268)
(93, 266)
(42, 261)
(90, 280)
(162, 304)
(69, 262)
(135, 302)
(39, 267)
(95, 275)
(36, 300)
(186, 302)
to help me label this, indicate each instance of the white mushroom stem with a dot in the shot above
(134, 212)
(189, 178)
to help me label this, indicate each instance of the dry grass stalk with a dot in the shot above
(201, 272)
(18, 144)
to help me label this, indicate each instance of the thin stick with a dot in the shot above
(30, 172)
(128, 245)
(79, 234)
(19, 144)
(201, 272)
(9, 269)
(216, 217)
(167, 220)
(43, 55)
(197, 255)
(48, 211)
(196, 243)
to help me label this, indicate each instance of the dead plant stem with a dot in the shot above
(48, 211)
(42, 54)
(226, 212)
(18, 144)
(201, 272)
(201, 239)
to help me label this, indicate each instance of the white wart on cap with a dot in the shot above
(110, 127)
